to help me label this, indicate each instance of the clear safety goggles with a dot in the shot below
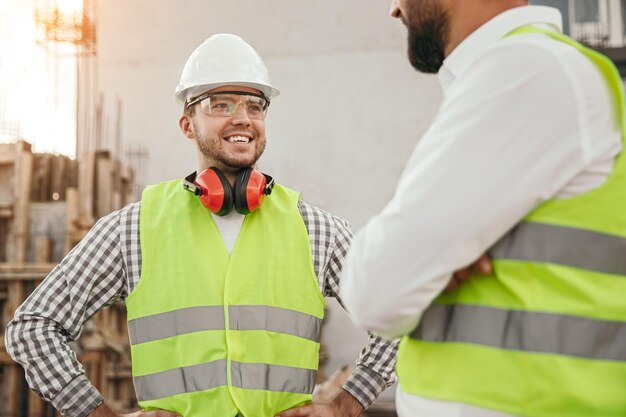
(226, 104)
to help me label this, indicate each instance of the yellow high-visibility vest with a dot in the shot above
(545, 335)
(214, 334)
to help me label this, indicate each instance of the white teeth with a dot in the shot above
(238, 139)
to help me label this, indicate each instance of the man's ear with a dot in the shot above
(185, 126)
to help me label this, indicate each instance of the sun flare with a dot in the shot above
(69, 7)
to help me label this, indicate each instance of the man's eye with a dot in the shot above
(255, 108)
(220, 106)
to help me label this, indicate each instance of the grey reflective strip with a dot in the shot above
(173, 323)
(524, 330)
(274, 319)
(180, 380)
(272, 377)
(577, 248)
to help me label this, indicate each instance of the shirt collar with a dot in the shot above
(490, 33)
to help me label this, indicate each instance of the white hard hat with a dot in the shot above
(223, 59)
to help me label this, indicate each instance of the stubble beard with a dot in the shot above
(427, 27)
(215, 155)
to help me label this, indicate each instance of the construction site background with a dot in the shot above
(328, 136)
(47, 204)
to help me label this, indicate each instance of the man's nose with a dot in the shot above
(240, 116)
(394, 11)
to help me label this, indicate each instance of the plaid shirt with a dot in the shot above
(106, 266)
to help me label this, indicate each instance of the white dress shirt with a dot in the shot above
(524, 119)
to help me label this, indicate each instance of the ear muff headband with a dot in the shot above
(242, 182)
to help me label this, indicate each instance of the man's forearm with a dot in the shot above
(347, 405)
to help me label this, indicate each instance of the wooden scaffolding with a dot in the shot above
(47, 204)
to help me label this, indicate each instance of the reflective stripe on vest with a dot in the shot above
(194, 319)
(212, 374)
(174, 323)
(261, 376)
(257, 376)
(181, 380)
(274, 319)
(232, 333)
(523, 330)
(538, 242)
(545, 335)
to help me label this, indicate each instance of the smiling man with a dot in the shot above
(223, 274)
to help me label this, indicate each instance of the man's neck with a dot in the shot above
(467, 16)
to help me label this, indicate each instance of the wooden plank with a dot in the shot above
(72, 175)
(126, 389)
(71, 218)
(43, 249)
(31, 266)
(21, 276)
(24, 165)
(25, 275)
(36, 406)
(117, 175)
(6, 211)
(5, 359)
(86, 180)
(93, 362)
(13, 383)
(116, 196)
(104, 188)
(16, 296)
(125, 184)
(46, 178)
(7, 153)
(24, 272)
(35, 189)
(4, 238)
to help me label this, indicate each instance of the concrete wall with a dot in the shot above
(350, 112)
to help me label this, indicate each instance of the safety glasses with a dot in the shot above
(226, 104)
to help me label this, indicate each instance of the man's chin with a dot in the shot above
(425, 53)
(236, 165)
(424, 66)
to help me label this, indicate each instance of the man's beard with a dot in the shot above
(427, 36)
(212, 151)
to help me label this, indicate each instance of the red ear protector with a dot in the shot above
(216, 193)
